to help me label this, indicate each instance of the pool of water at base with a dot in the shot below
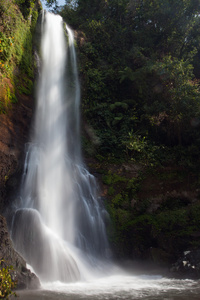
(118, 288)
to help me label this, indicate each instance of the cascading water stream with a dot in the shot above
(59, 226)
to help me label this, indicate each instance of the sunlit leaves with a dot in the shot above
(6, 283)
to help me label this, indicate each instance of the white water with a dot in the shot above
(126, 287)
(119, 287)
(59, 226)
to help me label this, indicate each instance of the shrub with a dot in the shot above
(6, 282)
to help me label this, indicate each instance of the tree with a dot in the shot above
(139, 54)
(52, 4)
(167, 26)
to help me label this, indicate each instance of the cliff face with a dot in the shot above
(15, 126)
(17, 74)
(154, 211)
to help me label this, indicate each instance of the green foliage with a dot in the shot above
(51, 3)
(16, 49)
(170, 222)
(137, 226)
(139, 68)
(2, 108)
(26, 7)
(136, 143)
(26, 88)
(34, 18)
(136, 64)
(5, 46)
(112, 178)
(150, 230)
(180, 100)
(15, 28)
(141, 148)
(121, 191)
(11, 96)
(6, 283)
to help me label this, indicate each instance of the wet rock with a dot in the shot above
(187, 266)
(24, 277)
(14, 133)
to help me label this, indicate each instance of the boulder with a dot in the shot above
(187, 266)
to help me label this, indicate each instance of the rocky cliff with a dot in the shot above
(15, 126)
(17, 72)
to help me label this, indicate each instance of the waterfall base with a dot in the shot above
(25, 279)
(42, 249)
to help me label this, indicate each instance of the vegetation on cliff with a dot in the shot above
(17, 71)
(17, 22)
(139, 69)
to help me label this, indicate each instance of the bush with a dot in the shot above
(6, 282)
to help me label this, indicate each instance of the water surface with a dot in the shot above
(148, 287)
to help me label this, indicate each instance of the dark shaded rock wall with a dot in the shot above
(14, 133)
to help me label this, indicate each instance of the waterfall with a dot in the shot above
(59, 224)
